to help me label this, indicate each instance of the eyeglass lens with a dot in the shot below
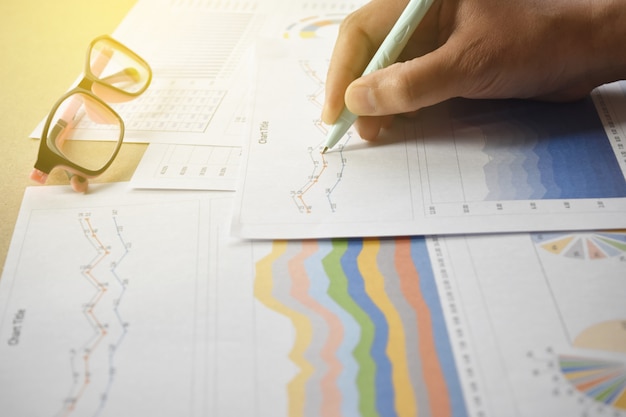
(69, 120)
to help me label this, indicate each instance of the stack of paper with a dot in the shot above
(375, 279)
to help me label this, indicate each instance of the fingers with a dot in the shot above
(78, 182)
(359, 37)
(406, 87)
(370, 127)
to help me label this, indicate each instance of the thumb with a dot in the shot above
(405, 87)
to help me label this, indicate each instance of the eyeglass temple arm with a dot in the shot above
(127, 74)
(38, 176)
(58, 131)
(101, 60)
(56, 134)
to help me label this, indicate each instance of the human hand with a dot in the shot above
(556, 50)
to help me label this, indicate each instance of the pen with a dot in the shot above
(386, 54)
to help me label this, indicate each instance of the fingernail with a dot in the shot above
(360, 100)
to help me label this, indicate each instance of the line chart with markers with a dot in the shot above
(326, 171)
(108, 327)
(363, 326)
(122, 302)
(92, 305)
(458, 167)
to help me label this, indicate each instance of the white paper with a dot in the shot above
(120, 291)
(538, 320)
(501, 325)
(116, 291)
(292, 22)
(198, 52)
(460, 167)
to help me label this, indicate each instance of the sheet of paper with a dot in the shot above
(198, 52)
(120, 291)
(293, 21)
(188, 167)
(116, 292)
(500, 325)
(538, 320)
(460, 167)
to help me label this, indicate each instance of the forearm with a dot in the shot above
(609, 49)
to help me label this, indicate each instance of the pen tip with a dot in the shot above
(325, 149)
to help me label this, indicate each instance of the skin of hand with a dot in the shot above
(556, 50)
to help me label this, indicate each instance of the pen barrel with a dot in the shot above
(387, 54)
(398, 37)
(347, 117)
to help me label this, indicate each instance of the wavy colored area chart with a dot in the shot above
(602, 380)
(370, 337)
(524, 152)
(314, 27)
(597, 245)
(543, 162)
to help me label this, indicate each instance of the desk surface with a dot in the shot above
(43, 46)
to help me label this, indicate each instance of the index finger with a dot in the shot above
(360, 35)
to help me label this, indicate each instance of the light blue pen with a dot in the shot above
(386, 55)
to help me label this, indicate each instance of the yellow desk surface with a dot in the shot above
(43, 46)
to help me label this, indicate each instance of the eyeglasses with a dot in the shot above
(113, 73)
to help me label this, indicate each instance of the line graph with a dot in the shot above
(319, 163)
(491, 151)
(327, 170)
(463, 166)
(100, 322)
(102, 313)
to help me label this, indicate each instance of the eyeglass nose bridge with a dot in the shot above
(109, 93)
(106, 92)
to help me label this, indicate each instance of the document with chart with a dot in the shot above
(197, 52)
(464, 166)
(120, 302)
(109, 306)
